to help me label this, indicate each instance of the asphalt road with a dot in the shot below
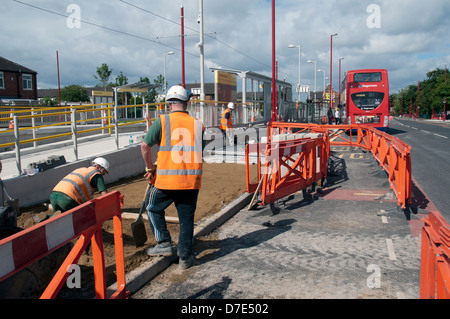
(430, 157)
(348, 241)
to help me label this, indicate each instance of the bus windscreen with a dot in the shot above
(367, 100)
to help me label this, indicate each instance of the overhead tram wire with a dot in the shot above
(214, 38)
(102, 27)
(155, 40)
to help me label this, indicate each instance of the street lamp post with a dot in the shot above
(324, 90)
(417, 101)
(324, 75)
(183, 76)
(340, 80)
(315, 72)
(165, 80)
(201, 46)
(274, 88)
(315, 83)
(445, 102)
(331, 68)
(292, 46)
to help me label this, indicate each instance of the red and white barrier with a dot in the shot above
(27, 246)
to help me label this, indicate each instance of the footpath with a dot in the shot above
(346, 241)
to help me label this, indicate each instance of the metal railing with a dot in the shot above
(23, 124)
(76, 120)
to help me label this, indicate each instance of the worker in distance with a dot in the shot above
(79, 186)
(226, 125)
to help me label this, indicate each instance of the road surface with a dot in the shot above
(430, 157)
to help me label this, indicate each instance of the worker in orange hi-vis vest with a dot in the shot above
(79, 186)
(226, 125)
(178, 174)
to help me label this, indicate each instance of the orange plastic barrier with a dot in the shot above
(392, 154)
(395, 158)
(83, 222)
(285, 167)
(435, 259)
(437, 116)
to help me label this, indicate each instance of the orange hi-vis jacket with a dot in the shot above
(77, 185)
(224, 123)
(180, 152)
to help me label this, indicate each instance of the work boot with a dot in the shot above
(186, 263)
(163, 249)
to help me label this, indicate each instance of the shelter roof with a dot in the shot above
(137, 87)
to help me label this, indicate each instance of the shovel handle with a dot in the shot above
(143, 201)
(146, 191)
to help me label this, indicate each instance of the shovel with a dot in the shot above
(138, 226)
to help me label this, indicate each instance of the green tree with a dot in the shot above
(150, 96)
(427, 94)
(121, 80)
(103, 75)
(160, 81)
(74, 93)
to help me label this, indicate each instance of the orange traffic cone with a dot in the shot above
(11, 123)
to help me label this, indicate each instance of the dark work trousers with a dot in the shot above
(185, 202)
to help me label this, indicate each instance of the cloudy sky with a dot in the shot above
(407, 37)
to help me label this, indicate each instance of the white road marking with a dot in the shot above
(390, 247)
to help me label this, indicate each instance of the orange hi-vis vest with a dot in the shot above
(224, 123)
(77, 185)
(179, 158)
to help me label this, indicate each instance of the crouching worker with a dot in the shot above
(178, 174)
(79, 186)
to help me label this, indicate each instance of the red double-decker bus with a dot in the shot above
(365, 97)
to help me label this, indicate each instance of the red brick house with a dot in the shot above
(17, 81)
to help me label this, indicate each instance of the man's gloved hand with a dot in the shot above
(150, 174)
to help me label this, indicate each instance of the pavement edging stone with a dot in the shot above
(138, 277)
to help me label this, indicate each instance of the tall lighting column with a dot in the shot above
(315, 73)
(331, 69)
(274, 91)
(340, 80)
(292, 46)
(165, 79)
(202, 61)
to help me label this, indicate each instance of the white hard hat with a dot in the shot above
(231, 105)
(177, 92)
(102, 162)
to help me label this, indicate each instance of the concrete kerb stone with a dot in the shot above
(138, 277)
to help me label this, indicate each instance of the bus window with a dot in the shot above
(367, 77)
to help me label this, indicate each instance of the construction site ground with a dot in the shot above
(349, 240)
(345, 240)
(221, 184)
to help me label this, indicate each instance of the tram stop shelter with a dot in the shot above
(134, 88)
(284, 91)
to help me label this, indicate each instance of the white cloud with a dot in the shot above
(412, 39)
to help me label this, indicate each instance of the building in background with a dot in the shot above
(17, 82)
